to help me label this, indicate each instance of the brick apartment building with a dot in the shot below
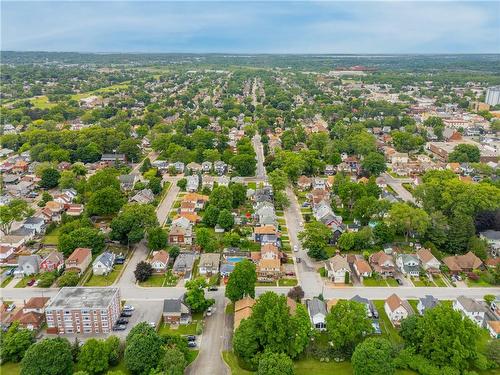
(83, 310)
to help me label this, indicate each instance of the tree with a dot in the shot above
(464, 153)
(461, 229)
(314, 238)
(47, 279)
(143, 271)
(173, 362)
(67, 180)
(15, 342)
(146, 165)
(296, 293)
(225, 219)
(195, 295)
(281, 200)
(104, 178)
(93, 357)
(221, 198)
(182, 183)
(105, 201)
(239, 194)
(155, 185)
(374, 356)
(82, 237)
(48, 357)
(278, 179)
(347, 241)
(242, 281)
(174, 252)
(383, 233)
(68, 278)
(132, 223)
(15, 210)
(493, 351)
(409, 329)
(207, 240)
(275, 364)
(479, 246)
(144, 351)
(374, 163)
(157, 238)
(210, 216)
(50, 178)
(244, 164)
(130, 147)
(347, 324)
(406, 219)
(365, 208)
(489, 298)
(245, 340)
(114, 349)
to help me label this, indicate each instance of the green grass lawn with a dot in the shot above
(191, 355)
(386, 326)
(6, 281)
(252, 185)
(154, 281)
(51, 238)
(370, 281)
(105, 280)
(261, 283)
(392, 282)
(287, 282)
(413, 303)
(10, 368)
(183, 329)
(24, 281)
(233, 363)
(438, 280)
(424, 282)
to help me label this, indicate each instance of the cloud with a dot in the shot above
(252, 27)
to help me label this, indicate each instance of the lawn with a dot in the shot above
(287, 282)
(233, 363)
(105, 280)
(413, 303)
(51, 238)
(385, 324)
(10, 368)
(183, 329)
(6, 281)
(370, 281)
(392, 282)
(24, 281)
(154, 281)
(424, 282)
(262, 283)
(191, 356)
(438, 280)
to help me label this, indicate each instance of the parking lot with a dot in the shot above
(146, 311)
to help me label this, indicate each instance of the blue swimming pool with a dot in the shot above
(234, 259)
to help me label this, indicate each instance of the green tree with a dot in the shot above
(245, 341)
(67, 180)
(464, 153)
(210, 216)
(143, 352)
(104, 178)
(15, 210)
(173, 362)
(157, 238)
(15, 342)
(130, 147)
(206, 239)
(461, 229)
(143, 271)
(182, 183)
(48, 357)
(221, 198)
(239, 194)
(374, 356)
(50, 178)
(132, 223)
(114, 349)
(155, 185)
(315, 238)
(278, 179)
(225, 219)
(82, 237)
(275, 364)
(68, 278)
(406, 219)
(244, 164)
(105, 201)
(347, 324)
(93, 357)
(374, 163)
(365, 208)
(281, 200)
(146, 165)
(479, 246)
(195, 295)
(47, 279)
(242, 281)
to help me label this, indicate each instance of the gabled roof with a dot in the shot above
(79, 255)
(459, 262)
(316, 306)
(172, 306)
(106, 258)
(470, 305)
(160, 256)
(426, 256)
(338, 262)
(394, 302)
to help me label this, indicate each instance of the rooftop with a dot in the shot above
(83, 297)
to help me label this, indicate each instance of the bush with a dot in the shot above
(47, 279)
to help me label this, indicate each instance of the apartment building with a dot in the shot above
(83, 310)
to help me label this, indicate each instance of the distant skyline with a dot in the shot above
(349, 27)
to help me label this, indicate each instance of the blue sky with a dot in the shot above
(252, 27)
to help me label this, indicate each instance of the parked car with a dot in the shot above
(298, 260)
(10, 271)
(399, 281)
(191, 344)
(212, 288)
(126, 314)
(191, 337)
(11, 307)
(152, 324)
(295, 248)
(120, 259)
(119, 327)
(122, 321)
(128, 308)
(31, 282)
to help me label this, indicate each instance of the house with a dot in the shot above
(463, 263)
(74, 209)
(471, 309)
(399, 158)
(425, 303)
(179, 166)
(408, 264)
(317, 313)
(159, 261)
(199, 200)
(265, 230)
(103, 264)
(493, 327)
(242, 310)
(79, 260)
(194, 167)
(32, 316)
(52, 262)
(187, 207)
(28, 265)
(175, 311)
(206, 166)
(337, 230)
(112, 159)
(382, 263)
(338, 269)
(264, 194)
(330, 170)
(220, 167)
(193, 182)
(493, 238)
(362, 268)
(52, 211)
(323, 212)
(319, 184)
(183, 265)
(35, 223)
(127, 181)
(207, 181)
(143, 196)
(268, 269)
(13, 241)
(428, 261)
(209, 264)
(223, 181)
(5, 253)
(180, 235)
(365, 302)
(304, 183)
(397, 309)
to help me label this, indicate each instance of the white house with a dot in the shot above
(337, 268)
(317, 313)
(35, 223)
(28, 265)
(193, 183)
(209, 264)
(408, 264)
(159, 262)
(397, 309)
(470, 308)
(103, 264)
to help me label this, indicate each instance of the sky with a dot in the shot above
(252, 27)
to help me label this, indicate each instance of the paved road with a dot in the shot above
(140, 253)
(167, 202)
(397, 185)
(209, 360)
(259, 150)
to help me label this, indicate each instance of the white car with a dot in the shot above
(301, 223)
(295, 248)
(128, 308)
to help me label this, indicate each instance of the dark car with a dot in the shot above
(31, 282)
(122, 321)
(212, 288)
(119, 327)
(191, 344)
(399, 281)
(191, 338)
(126, 314)
(119, 259)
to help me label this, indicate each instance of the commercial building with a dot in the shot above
(83, 310)
(493, 95)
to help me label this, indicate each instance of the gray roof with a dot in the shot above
(34, 220)
(34, 260)
(428, 302)
(470, 304)
(184, 262)
(22, 232)
(175, 306)
(491, 234)
(316, 306)
(83, 297)
(106, 258)
(358, 298)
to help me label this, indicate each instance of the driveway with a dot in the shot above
(166, 204)
(209, 360)
(397, 185)
(139, 254)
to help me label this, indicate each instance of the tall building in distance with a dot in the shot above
(83, 310)
(493, 95)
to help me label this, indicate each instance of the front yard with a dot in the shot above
(51, 238)
(287, 282)
(183, 329)
(105, 280)
(162, 280)
(370, 281)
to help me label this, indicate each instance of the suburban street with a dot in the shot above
(167, 202)
(259, 150)
(397, 185)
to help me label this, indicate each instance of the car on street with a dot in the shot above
(191, 337)
(212, 288)
(122, 321)
(10, 272)
(295, 248)
(126, 314)
(399, 281)
(128, 308)
(31, 282)
(191, 344)
(119, 327)
(298, 260)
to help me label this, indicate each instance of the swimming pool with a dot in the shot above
(234, 259)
